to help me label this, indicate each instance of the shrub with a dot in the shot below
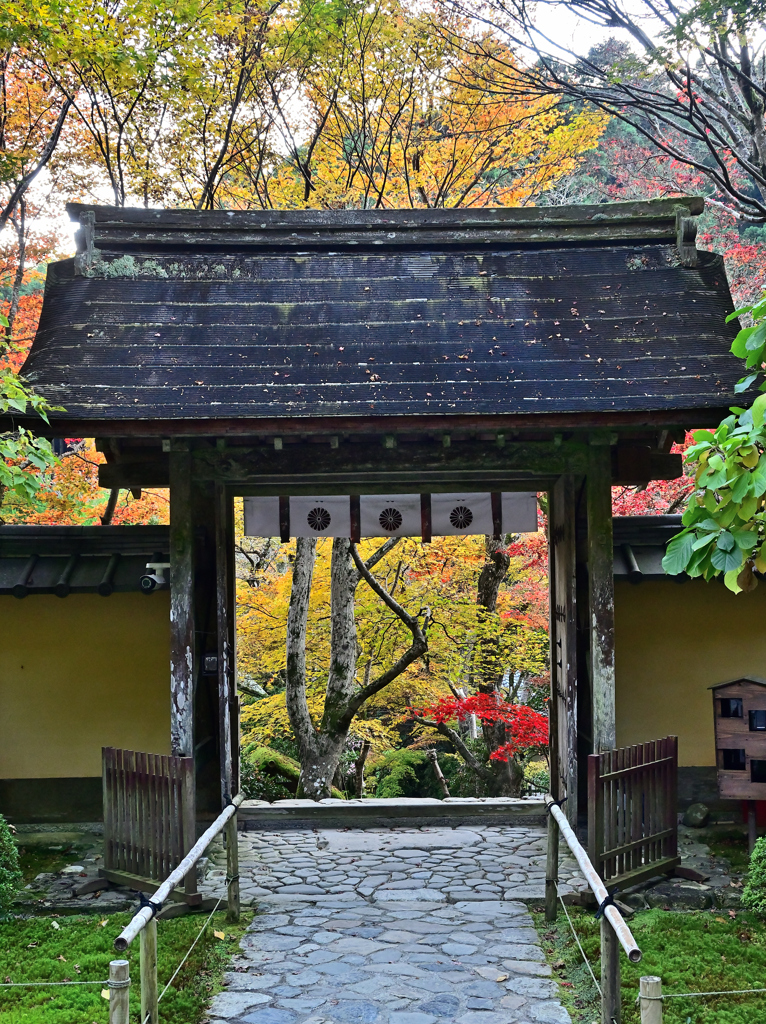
(395, 773)
(537, 778)
(754, 893)
(10, 874)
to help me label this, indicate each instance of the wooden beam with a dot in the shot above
(209, 426)
(601, 595)
(369, 468)
(181, 603)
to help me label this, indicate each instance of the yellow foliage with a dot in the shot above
(463, 638)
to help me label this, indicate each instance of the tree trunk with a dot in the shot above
(359, 770)
(320, 748)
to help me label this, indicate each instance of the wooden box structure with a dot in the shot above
(739, 707)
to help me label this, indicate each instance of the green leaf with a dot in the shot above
(741, 486)
(725, 561)
(730, 579)
(708, 524)
(725, 541)
(745, 383)
(745, 539)
(700, 542)
(678, 554)
(758, 409)
(756, 337)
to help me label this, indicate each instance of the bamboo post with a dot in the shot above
(610, 974)
(650, 988)
(232, 870)
(119, 991)
(149, 999)
(434, 759)
(552, 871)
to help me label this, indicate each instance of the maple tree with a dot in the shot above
(527, 728)
(688, 77)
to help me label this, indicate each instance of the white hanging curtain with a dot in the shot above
(519, 512)
(391, 515)
(461, 514)
(261, 517)
(328, 516)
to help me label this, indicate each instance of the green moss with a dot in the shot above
(691, 952)
(271, 762)
(80, 949)
(754, 893)
(34, 860)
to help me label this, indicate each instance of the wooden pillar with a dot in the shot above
(182, 668)
(225, 653)
(563, 633)
(601, 595)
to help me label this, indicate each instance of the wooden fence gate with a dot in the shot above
(149, 818)
(632, 814)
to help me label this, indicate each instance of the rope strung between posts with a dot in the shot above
(200, 933)
(35, 984)
(188, 952)
(696, 995)
(582, 951)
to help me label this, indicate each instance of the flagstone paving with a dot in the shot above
(390, 926)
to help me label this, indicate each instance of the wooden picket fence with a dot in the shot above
(632, 812)
(149, 817)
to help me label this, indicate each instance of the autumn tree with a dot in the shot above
(320, 746)
(33, 111)
(691, 83)
(396, 120)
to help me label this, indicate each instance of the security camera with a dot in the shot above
(150, 581)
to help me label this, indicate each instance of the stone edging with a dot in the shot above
(402, 811)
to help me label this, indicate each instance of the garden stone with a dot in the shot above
(234, 1004)
(690, 895)
(270, 1015)
(696, 815)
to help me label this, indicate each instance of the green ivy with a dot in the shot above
(725, 519)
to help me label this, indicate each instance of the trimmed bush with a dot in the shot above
(754, 893)
(10, 874)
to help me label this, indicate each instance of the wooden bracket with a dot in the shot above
(686, 236)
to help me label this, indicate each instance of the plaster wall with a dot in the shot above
(80, 673)
(673, 641)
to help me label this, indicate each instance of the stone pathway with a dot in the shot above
(390, 926)
(428, 863)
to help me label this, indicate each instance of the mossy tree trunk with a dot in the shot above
(320, 747)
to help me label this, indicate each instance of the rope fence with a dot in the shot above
(35, 984)
(174, 975)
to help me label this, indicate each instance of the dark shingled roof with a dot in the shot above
(65, 560)
(173, 314)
